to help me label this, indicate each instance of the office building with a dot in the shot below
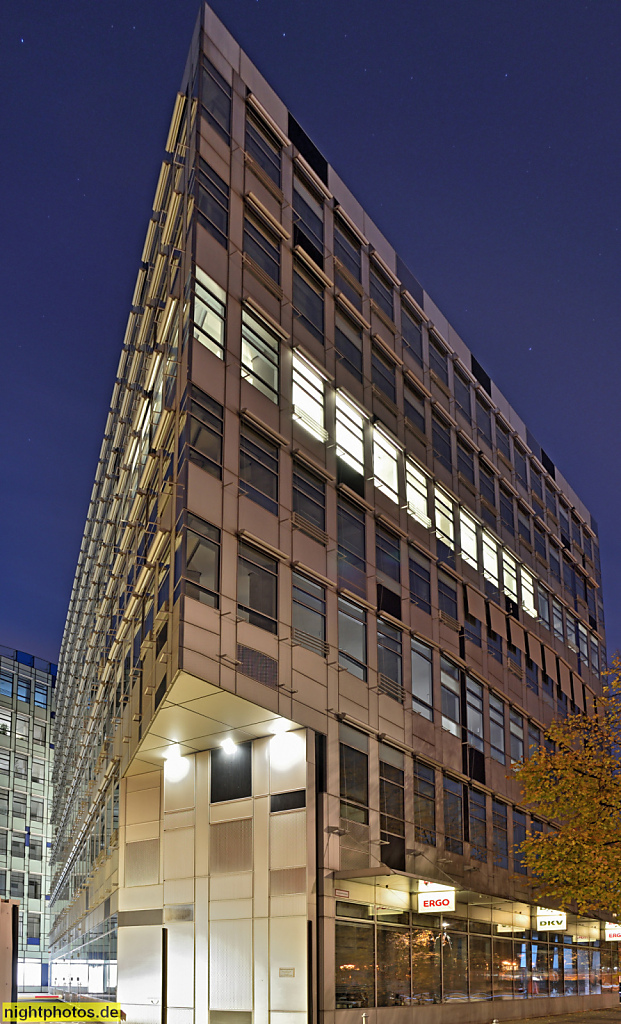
(330, 588)
(26, 759)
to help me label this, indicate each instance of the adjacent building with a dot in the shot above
(27, 691)
(330, 588)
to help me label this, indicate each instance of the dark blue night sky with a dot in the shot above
(482, 137)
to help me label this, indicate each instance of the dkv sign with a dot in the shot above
(435, 899)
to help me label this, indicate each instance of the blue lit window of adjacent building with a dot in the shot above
(40, 695)
(23, 690)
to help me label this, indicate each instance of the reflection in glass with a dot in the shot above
(455, 966)
(354, 965)
(505, 968)
(393, 966)
(570, 971)
(426, 986)
(480, 967)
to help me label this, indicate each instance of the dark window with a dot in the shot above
(507, 514)
(383, 373)
(34, 887)
(17, 885)
(555, 561)
(516, 735)
(465, 461)
(412, 336)
(6, 684)
(352, 622)
(447, 594)
(534, 738)
(422, 679)
(231, 773)
(36, 848)
(308, 221)
(347, 248)
(500, 843)
(478, 825)
(540, 541)
(438, 360)
(202, 571)
(519, 461)
(263, 146)
(257, 582)
(309, 613)
(494, 645)
(354, 776)
(37, 807)
(213, 202)
(424, 804)
(18, 844)
(461, 386)
(258, 469)
(414, 406)
(472, 630)
(503, 440)
(519, 835)
(308, 304)
(420, 581)
(205, 432)
(484, 421)
(309, 496)
(387, 554)
(381, 290)
(348, 344)
(263, 246)
(288, 801)
(497, 728)
(441, 439)
(453, 816)
(351, 548)
(523, 524)
(487, 484)
(392, 810)
(33, 924)
(550, 500)
(532, 676)
(389, 659)
(216, 100)
(535, 481)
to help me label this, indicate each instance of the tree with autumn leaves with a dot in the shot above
(577, 864)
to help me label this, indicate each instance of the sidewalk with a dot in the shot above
(611, 1015)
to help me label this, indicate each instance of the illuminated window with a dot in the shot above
(416, 493)
(445, 523)
(259, 356)
(468, 538)
(385, 465)
(349, 433)
(490, 559)
(509, 576)
(450, 690)
(209, 313)
(308, 397)
(528, 593)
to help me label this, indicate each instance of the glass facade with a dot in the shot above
(388, 957)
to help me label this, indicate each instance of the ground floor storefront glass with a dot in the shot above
(386, 958)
